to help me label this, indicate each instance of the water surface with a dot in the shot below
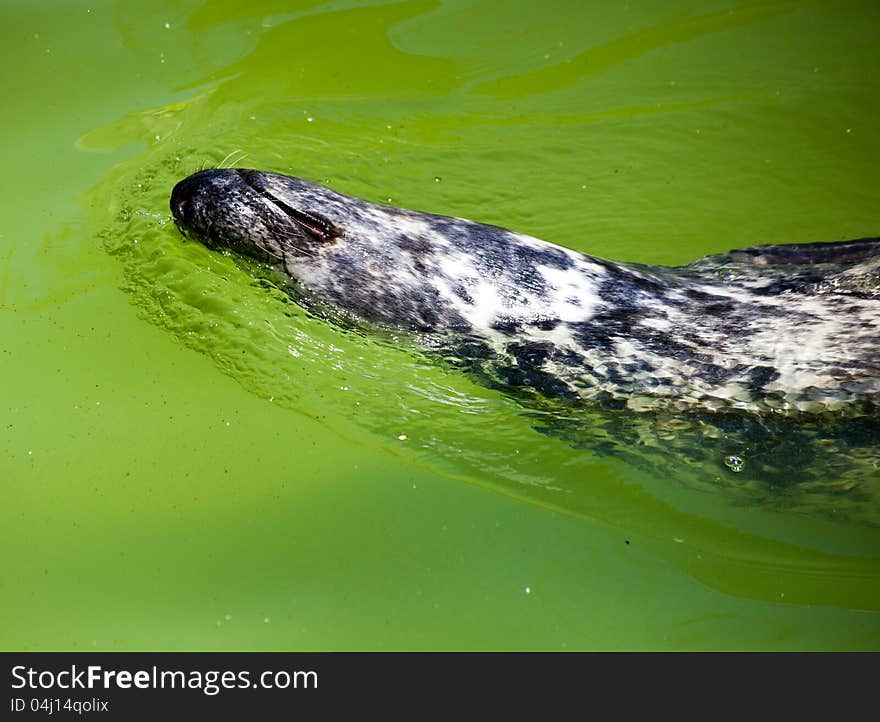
(189, 461)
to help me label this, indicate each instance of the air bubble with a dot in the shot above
(734, 463)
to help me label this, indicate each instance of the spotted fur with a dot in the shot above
(785, 329)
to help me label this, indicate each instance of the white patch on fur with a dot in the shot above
(576, 283)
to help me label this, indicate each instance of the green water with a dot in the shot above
(188, 461)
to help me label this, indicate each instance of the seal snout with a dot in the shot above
(181, 197)
(185, 194)
(228, 208)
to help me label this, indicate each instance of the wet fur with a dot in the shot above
(782, 329)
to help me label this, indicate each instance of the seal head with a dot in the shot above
(237, 210)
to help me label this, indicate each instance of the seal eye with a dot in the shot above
(312, 223)
(316, 226)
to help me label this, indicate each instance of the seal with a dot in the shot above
(783, 329)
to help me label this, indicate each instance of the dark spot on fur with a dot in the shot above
(794, 284)
(542, 381)
(474, 349)
(760, 376)
(530, 355)
(462, 293)
(508, 328)
(416, 245)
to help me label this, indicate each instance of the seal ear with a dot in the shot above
(807, 254)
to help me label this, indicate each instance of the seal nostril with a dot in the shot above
(178, 200)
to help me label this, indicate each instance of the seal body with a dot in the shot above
(784, 329)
